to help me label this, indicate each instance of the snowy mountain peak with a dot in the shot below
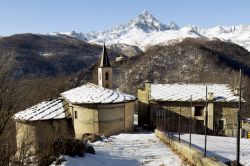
(145, 12)
(146, 22)
(146, 15)
(145, 30)
(173, 26)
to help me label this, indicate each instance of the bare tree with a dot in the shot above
(8, 99)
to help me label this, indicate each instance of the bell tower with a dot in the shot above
(105, 71)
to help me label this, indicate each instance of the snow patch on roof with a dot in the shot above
(182, 92)
(45, 110)
(94, 94)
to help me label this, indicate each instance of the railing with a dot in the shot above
(220, 143)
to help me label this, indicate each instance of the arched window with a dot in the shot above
(106, 76)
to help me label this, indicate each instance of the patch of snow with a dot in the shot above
(91, 93)
(127, 150)
(45, 110)
(46, 54)
(224, 148)
(182, 92)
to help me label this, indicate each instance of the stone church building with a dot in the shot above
(90, 108)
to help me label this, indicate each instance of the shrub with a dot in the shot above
(90, 137)
(51, 152)
(90, 150)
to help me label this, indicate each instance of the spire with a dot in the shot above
(104, 58)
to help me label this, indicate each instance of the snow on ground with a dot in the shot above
(128, 150)
(223, 148)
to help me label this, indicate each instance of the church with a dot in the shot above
(90, 108)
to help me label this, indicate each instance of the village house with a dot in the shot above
(189, 101)
(90, 108)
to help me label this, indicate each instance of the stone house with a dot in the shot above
(90, 108)
(175, 100)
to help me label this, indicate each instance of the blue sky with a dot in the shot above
(21, 16)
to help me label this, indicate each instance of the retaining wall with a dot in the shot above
(193, 155)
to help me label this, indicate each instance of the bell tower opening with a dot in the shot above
(106, 76)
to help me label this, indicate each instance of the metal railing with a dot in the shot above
(221, 144)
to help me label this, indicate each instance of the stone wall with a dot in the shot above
(172, 112)
(216, 111)
(38, 134)
(103, 119)
(85, 120)
(228, 113)
(111, 119)
(143, 107)
(194, 156)
(129, 116)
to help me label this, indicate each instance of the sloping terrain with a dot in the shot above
(194, 60)
(44, 55)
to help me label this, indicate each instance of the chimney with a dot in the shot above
(146, 84)
(237, 90)
(210, 96)
(210, 109)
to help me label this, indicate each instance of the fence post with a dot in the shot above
(179, 124)
(172, 124)
(159, 117)
(238, 122)
(168, 124)
(190, 121)
(205, 152)
(155, 119)
(164, 120)
(156, 113)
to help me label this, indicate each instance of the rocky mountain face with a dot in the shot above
(46, 55)
(125, 49)
(145, 30)
(192, 60)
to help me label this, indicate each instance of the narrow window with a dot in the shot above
(198, 110)
(107, 85)
(107, 76)
(75, 114)
(220, 124)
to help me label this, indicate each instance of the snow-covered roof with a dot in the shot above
(94, 94)
(182, 92)
(45, 110)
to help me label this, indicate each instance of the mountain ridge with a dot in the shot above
(145, 30)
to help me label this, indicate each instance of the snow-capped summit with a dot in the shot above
(146, 22)
(145, 30)
(172, 26)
